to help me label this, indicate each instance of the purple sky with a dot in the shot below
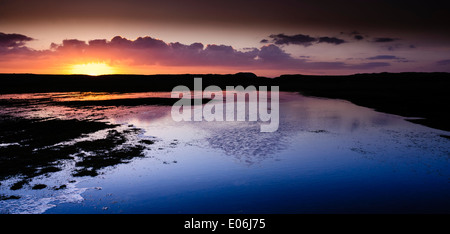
(197, 36)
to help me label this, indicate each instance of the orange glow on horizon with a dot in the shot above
(92, 69)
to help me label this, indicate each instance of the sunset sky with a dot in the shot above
(268, 38)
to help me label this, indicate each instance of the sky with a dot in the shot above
(268, 38)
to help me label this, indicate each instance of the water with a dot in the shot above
(328, 156)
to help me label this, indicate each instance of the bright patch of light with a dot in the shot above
(93, 69)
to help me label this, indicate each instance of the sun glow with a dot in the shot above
(93, 69)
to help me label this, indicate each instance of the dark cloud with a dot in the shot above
(13, 40)
(331, 40)
(264, 41)
(301, 39)
(384, 39)
(388, 57)
(98, 42)
(73, 43)
(378, 57)
(219, 49)
(273, 53)
(358, 37)
(119, 41)
(149, 42)
(215, 55)
(354, 35)
(194, 46)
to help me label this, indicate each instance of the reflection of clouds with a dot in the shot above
(244, 140)
(247, 144)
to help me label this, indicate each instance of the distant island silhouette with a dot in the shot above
(422, 95)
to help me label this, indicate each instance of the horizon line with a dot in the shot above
(220, 74)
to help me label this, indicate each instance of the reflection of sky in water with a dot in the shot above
(327, 156)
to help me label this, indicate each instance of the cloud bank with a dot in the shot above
(155, 52)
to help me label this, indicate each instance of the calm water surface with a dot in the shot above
(328, 156)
